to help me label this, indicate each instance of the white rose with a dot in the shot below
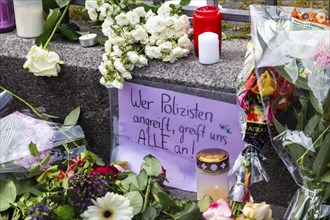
(179, 52)
(119, 41)
(108, 46)
(119, 66)
(42, 62)
(143, 61)
(105, 10)
(116, 51)
(155, 24)
(103, 69)
(149, 14)
(140, 11)
(122, 19)
(164, 10)
(182, 24)
(185, 42)
(106, 26)
(133, 18)
(92, 14)
(133, 57)
(140, 34)
(116, 83)
(153, 52)
(166, 47)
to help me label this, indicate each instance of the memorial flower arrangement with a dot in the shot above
(135, 35)
(40, 60)
(292, 45)
(79, 185)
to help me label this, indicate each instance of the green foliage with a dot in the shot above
(33, 149)
(7, 194)
(72, 117)
(64, 212)
(152, 166)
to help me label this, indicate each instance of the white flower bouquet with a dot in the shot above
(136, 34)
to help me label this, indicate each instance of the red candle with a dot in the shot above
(206, 19)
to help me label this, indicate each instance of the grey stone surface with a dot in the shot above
(78, 84)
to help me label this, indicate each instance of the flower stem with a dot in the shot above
(319, 137)
(22, 100)
(58, 23)
(145, 202)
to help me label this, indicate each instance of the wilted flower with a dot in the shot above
(42, 62)
(257, 211)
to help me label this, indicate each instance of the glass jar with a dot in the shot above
(29, 18)
(206, 19)
(7, 20)
(212, 173)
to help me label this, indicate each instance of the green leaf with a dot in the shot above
(326, 177)
(98, 160)
(62, 3)
(152, 166)
(130, 182)
(7, 194)
(184, 2)
(142, 179)
(136, 201)
(34, 169)
(262, 43)
(165, 200)
(53, 17)
(205, 203)
(42, 39)
(316, 104)
(280, 128)
(45, 160)
(300, 82)
(311, 125)
(150, 214)
(49, 4)
(69, 34)
(72, 117)
(190, 212)
(156, 188)
(53, 169)
(326, 115)
(33, 149)
(322, 158)
(115, 31)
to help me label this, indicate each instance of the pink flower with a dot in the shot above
(322, 58)
(220, 210)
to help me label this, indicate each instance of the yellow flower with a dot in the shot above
(267, 84)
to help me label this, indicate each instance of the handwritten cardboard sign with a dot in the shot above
(173, 127)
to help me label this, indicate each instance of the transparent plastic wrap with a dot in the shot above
(18, 130)
(291, 49)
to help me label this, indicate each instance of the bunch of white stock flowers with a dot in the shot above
(135, 35)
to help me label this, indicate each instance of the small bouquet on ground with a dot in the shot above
(136, 34)
(295, 45)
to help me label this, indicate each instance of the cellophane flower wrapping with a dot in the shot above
(18, 130)
(291, 53)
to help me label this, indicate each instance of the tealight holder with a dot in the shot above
(212, 167)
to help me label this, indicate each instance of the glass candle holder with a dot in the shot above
(212, 169)
(29, 18)
(206, 19)
(7, 20)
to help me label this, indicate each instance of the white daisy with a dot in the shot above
(110, 207)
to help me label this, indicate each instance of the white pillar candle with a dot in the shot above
(208, 48)
(29, 18)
